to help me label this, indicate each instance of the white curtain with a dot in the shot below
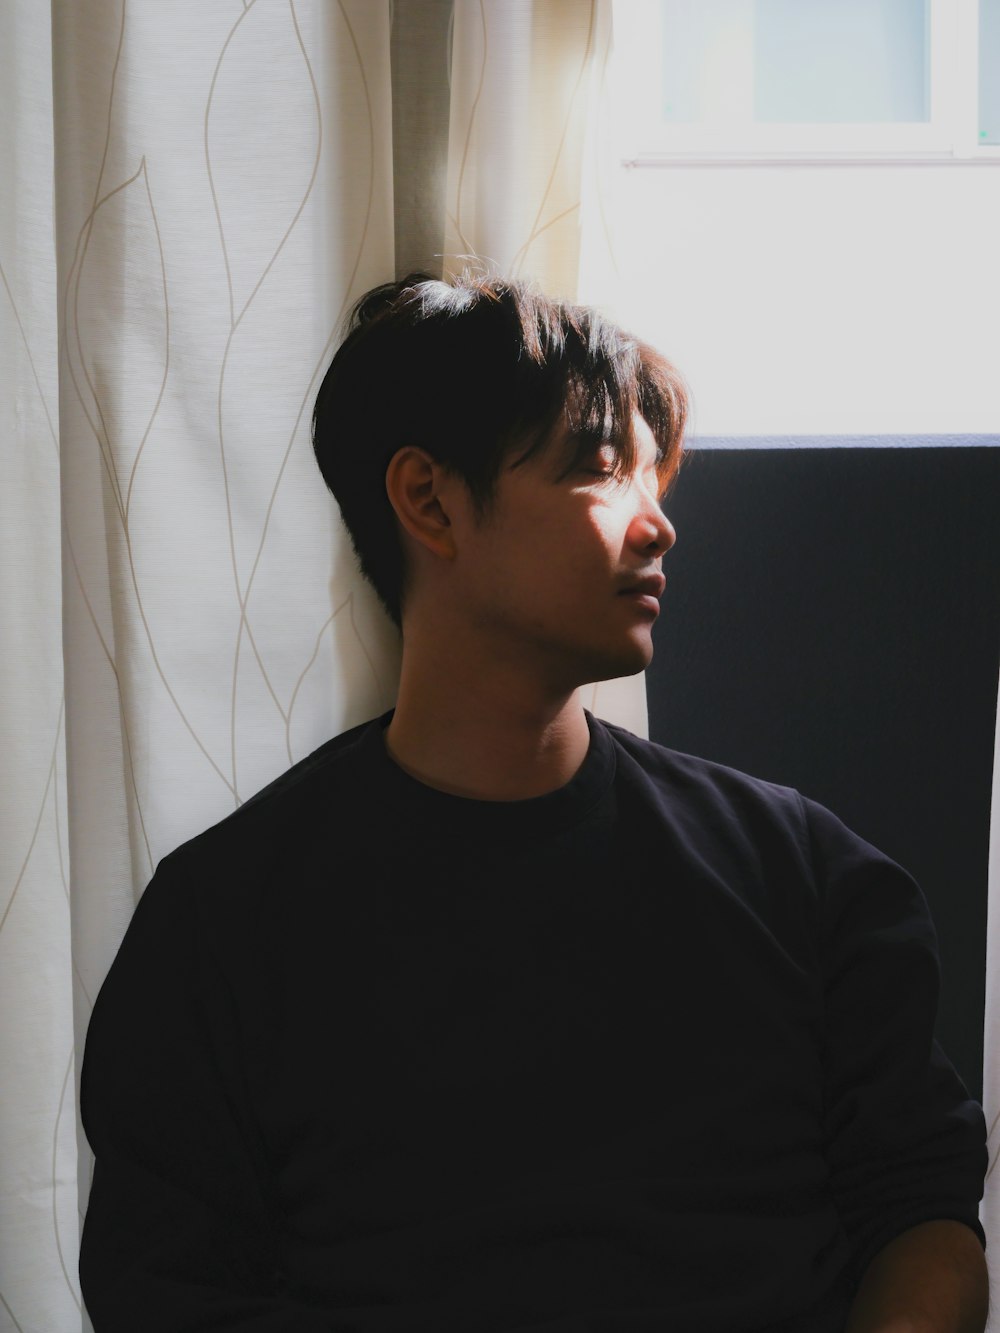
(38, 1198)
(223, 192)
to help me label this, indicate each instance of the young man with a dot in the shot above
(490, 1017)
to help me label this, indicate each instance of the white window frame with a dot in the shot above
(950, 134)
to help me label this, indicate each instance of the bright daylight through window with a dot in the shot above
(805, 196)
(780, 78)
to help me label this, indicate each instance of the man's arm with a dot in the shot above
(178, 1234)
(929, 1279)
(905, 1142)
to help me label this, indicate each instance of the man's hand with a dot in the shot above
(929, 1279)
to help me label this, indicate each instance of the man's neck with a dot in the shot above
(487, 739)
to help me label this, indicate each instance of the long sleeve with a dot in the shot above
(905, 1142)
(177, 1234)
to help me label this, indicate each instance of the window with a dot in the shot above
(779, 79)
(989, 72)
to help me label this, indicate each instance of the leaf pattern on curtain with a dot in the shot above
(223, 180)
(522, 75)
(121, 238)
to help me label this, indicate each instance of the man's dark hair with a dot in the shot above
(470, 371)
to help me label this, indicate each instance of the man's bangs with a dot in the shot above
(600, 408)
(662, 402)
(580, 383)
(599, 413)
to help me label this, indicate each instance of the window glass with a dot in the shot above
(796, 61)
(989, 71)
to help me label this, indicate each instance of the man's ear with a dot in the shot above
(418, 486)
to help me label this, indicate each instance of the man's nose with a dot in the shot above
(652, 530)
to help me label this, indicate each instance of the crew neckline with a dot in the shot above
(558, 809)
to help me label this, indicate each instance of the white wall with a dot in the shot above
(819, 299)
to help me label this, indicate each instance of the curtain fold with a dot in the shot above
(39, 1221)
(520, 74)
(421, 60)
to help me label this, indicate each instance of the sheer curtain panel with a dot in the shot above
(223, 191)
(39, 1220)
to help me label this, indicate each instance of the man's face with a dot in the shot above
(563, 575)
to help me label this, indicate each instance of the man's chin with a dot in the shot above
(628, 662)
(640, 654)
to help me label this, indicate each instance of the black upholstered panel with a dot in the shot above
(832, 622)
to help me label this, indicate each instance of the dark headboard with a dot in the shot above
(832, 622)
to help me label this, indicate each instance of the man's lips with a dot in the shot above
(646, 591)
(650, 586)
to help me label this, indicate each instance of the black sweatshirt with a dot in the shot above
(654, 1051)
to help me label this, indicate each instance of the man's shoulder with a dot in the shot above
(739, 829)
(698, 779)
(310, 790)
(334, 760)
